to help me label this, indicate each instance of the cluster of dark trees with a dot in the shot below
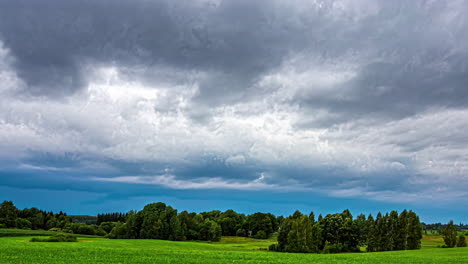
(159, 221)
(33, 218)
(342, 233)
(30, 218)
(110, 217)
(451, 237)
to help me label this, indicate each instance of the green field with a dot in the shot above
(18, 249)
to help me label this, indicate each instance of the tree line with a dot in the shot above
(33, 218)
(342, 233)
(333, 233)
(30, 218)
(110, 217)
(159, 221)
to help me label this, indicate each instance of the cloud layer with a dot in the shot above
(347, 98)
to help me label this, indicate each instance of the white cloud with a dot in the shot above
(171, 181)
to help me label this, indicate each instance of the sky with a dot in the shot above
(270, 106)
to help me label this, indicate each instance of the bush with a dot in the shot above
(333, 248)
(273, 247)
(55, 229)
(56, 238)
(100, 232)
(461, 241)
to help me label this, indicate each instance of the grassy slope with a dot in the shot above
(229, 250)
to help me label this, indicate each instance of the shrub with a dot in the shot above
(100, 232)
(56, 238)
(273, 247)
(55, 229)
(333, 248)
(461, 241)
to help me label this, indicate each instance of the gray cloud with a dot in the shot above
(351, 97)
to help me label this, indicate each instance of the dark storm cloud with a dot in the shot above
(409, 55)
(52, 40)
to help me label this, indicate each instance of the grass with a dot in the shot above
(228, 250)
(12, 232)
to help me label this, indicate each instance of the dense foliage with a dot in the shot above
(450, 235)
(30, 218)
(159, 221)
(35, 219)
(110, 217)
(341, 233)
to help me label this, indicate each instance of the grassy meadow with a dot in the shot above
(18, 249)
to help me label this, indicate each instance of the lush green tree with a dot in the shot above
(372, 235)
(260, 221)
(283, 233)
(393, 230)
(413, 240)
(8, 214)
(120, 231)
(461, 242)
(230, 222)
(156, 222)
(23, 223)
(361, 229)
(299, 233)
(450, 235)
(338, 230)
(134, 222)
(402, 234)
(107, 226)
(177, 232)
(210, 231)
(38, 221)
(51, 222)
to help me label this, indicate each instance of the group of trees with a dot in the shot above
(159, 221)
(296, 233)
(341, 233)
(110, 217)
(33, 218)
(30, 218)
(450, 236)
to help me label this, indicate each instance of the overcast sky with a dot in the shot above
(251, 105)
